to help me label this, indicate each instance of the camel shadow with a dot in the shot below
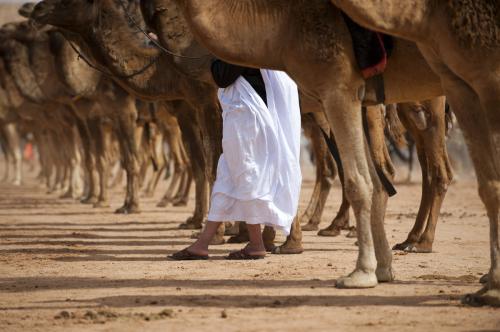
(98, 229)
(247, 301)
(34, 284)
(127, 223)
(90, 236)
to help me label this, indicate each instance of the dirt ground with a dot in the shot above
(67, 267)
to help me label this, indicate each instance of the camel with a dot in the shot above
(429, 136)
(466, 57)
(148, 74)
(427, 125)
(310, 41)
(30, 66)
(101, 98)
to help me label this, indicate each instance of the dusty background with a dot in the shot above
(67, 267)
(8, 11)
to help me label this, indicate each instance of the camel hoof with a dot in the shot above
(101, 204)
(418, 249)
(358, 279)
(403, 246)
(238, 239)
(484, 279)
(384, 274)
(353, 233)
(310, 227)
(162, 203)
(331, 232)
(179, 203)
(188, 225)
(67, 195)
(288, 249)
(89, 200)
(482, 298)
(128, 209)
(231, 230)
(217, 240)
(195, 235)
(270, 247)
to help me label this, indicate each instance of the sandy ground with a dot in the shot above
(67, 267)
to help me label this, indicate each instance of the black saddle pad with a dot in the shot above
(371, 49)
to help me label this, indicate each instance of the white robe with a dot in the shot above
(258, 175)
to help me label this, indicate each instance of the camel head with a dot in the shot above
(80, 15)
(72, 15)
(26, 9)
(21, 31)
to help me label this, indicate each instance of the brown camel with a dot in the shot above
(75, 78)
(426, 123)
(310, 41)
(429, 137)
(466, 57)
(148, 74)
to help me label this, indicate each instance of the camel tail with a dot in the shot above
(394, 127)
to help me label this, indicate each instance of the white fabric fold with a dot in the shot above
(258, 175)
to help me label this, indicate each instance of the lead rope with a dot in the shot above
(106, 73)
(155, 43)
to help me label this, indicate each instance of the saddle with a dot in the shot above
(371, 51)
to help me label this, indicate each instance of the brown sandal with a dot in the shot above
(243, 255)
(186, 255)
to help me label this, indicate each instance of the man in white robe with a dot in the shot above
(258, 175)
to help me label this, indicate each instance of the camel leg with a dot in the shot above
(479, 132)
(91, 196)
(375, 125)
(182, 195)
(435, 179)
(268, 235)
(379, 155)
(341, 220)
(70, 151)
(345, 118)
(312, 215)
(159, 156)
(193, 143)
(179, 176)
(129, 150)
(6, 154)
(425, 201)
(76, 179)
(14, 142)
(242, 235)
(293, 243)
(102, 163)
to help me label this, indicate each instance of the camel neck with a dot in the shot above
(233, 30)
(141, 69)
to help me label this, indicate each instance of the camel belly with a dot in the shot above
(408, 77)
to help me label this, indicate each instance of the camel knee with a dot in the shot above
(358, 191)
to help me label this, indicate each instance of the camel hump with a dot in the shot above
(476, 22)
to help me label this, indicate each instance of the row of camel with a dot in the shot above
(438, 51)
